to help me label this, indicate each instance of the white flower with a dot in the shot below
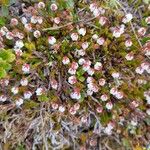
(133, 122)
(14, 90)
(84, 119)
(81, 52)
(90, 79)
(128, 43)
(93, 87)
(76, 106)
(118, 31)
(72, 79)
(108, 130)
(28, 27)
(119, 95)
(102, 21)
(82, 31)
(57, 20)
(104, 97)
(65, 60)
(61, 109)
(27, 95)
(81, 61)
(53, 7)
(113, 91)
(89, 92)
(147, 20)
(41, 5)
(39, 91)
(128, 17)
(39, 20)
(19, 44)
(92, 7)
(142, 31)
(96, 12)
(51, 40)
(74, 36)
(54, 84)
(145, 65)
(19, 102)
(24, 20)
(34, 19)
(90, 71)
(14, 22)
(3, 98)
(54, 106)
(98, 66)
(24, 82)
(72, 111)
(115, 75)
(26, 68)
(95, 36)
(37, 34)
(100, 41)
(109, 105)
(72, 71)
(9, 35)
(129, 56)
(139, 70)
(148, 111)
(75, 94)
(85, 45)
(74, 65)
(102, 82)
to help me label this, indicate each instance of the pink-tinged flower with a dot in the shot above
(101, 82)
(14, 90)
(129, 56)
(113, 91)
(145, 65)
(90, 79)
(18, 52)
(37, 34)
(142, 31)
(14, 22)
(76, 106)
(39, 91)
(74, 36)
(109, 105)
(24, 20)
(102, 20)
(90, 71)
(53, 7)
(74, 65)
(9, 35)
(27, 95)
(96, 12)
(61, 108)
(41, 5)
(39, 20)
(4, 82)
(75, 94)
(128, 43)
(57, 20)
(28, 27)
(93, 142)
(147, 20)
(80, 52)
(92, 7)
(19, 102)
(100, 41)
(86, 65)
(84, 119)
(72, 79)
(85, 45)
(101, 10)
(139, 70)
(26, 68)
(93, 87)
(134, 104)
(54, 106)
(95, 36)
(108, 129)
(98, 66)
(115, 75)
(24, 82)
(3, 30)
(119, 95)
(3, 98)
(104, 97)
(89, 92)
(19, 35)
(51, 40)
(34, 19)
(72, 111)
(128, 17)
(72, 71)
(65, 60)
(81, 61)
(54, 84)
(118, 31)
(82, 31)
(99, 109)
